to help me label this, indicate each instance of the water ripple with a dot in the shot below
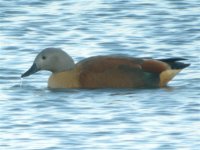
(35, 117)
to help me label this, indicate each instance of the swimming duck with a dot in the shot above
(110, 71)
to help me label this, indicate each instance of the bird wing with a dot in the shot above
(116, 71)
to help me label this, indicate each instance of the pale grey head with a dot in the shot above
(51, 59)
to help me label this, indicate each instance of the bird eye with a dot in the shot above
(43, 57)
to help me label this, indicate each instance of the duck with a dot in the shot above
(105, 71)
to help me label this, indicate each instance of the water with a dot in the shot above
(34, 117)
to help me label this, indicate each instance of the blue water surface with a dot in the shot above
(33, 117)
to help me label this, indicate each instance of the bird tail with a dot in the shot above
(176, 67)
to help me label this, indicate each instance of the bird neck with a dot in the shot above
(62, 65)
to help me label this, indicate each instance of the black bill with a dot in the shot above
(31, 71)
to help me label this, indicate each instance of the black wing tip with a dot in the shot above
(178, 65)
(174, 62)
(174, 59)
(185, 65)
